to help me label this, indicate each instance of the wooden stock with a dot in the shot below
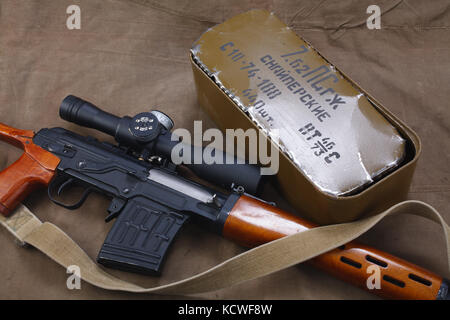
(36, 167)
(252, 222)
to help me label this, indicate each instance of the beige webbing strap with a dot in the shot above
(254, 263)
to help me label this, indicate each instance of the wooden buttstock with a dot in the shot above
(252, 222)
(36, 167)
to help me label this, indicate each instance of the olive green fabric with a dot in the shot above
(132, 55)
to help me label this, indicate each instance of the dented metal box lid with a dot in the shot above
(334, 133)
(329, 129)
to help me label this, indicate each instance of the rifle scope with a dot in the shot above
(149, 133)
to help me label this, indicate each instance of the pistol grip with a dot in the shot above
(140, 238)
(34, 168)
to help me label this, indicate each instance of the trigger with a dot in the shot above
(66, 183)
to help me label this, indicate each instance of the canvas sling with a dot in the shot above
(260, 261)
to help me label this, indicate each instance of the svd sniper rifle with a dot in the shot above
(151, 202)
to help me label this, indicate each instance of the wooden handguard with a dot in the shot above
(252, 222)
(36, 167)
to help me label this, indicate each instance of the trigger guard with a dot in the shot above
(65, 183)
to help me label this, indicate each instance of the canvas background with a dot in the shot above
(132, 55)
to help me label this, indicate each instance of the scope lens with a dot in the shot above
(83, 113)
